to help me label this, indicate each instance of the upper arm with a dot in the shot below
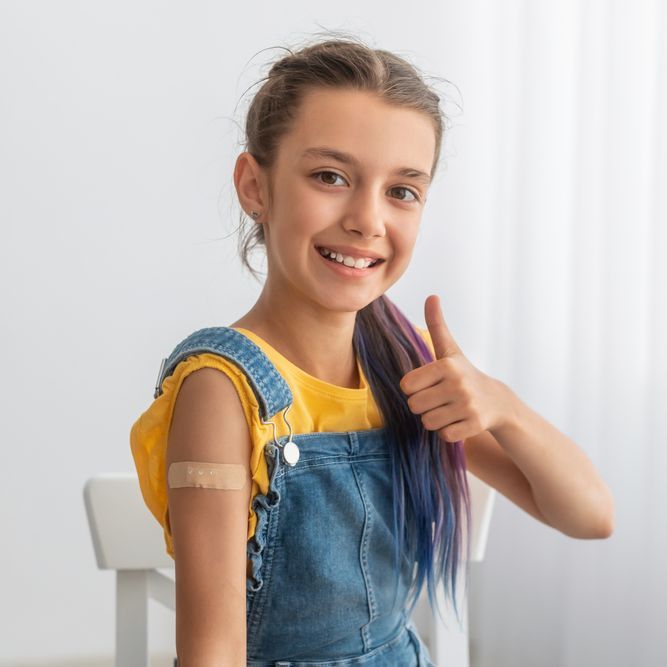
(487, 460)
(209, 526)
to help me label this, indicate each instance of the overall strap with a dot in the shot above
(272, 392)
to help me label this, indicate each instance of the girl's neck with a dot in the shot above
(321, 351)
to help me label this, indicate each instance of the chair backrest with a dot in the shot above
(482, 498)
(126, 536)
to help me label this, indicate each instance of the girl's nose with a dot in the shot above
(366, 218)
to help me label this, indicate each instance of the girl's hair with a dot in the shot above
(430, 489)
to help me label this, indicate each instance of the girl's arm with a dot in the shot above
(209, 526)
(542, 470)
(507, 445)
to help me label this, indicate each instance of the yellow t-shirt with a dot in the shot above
(317, 407)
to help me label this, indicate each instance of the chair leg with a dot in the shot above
(132, 618)
(451, 645)
(448, 644)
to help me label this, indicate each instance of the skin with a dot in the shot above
(305, 310)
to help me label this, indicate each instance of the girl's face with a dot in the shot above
(351, 175)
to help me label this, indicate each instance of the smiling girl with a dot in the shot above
(308, 461)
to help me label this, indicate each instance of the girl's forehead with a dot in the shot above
(359, 123)
(322, 105)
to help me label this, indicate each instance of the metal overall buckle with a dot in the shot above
(290, 450)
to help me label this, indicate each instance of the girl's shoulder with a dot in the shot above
(220, 348)
(150, 431)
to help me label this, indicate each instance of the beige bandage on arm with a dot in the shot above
(226, 476)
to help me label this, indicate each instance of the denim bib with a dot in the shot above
(323, 591)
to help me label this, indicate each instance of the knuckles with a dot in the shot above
(452, 434)
(446, 434)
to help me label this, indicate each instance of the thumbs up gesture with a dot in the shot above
(452, 396)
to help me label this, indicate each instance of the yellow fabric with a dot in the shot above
(318, 406)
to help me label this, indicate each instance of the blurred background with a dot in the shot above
(545, 236)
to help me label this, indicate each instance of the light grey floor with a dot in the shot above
(157, 660)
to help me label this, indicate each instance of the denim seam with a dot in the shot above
(316, 434)
(358, 660)
(422, 651)
(271, 389)
(363, 557)
(263, 558)
(307, 465)
(239, 357)
(267, 560)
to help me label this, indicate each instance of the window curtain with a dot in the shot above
(569, 106)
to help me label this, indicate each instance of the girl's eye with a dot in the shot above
(415, 196)
(412, 192)
(328, 173)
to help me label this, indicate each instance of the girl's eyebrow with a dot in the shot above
(346, 158)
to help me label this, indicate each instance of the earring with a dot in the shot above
(254, 214)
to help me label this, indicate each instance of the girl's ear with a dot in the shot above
(249, 181)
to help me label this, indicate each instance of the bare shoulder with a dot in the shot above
(207, 413)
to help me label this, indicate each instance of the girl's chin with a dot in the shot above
(348, 300)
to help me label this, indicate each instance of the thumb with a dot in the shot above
(443, 341)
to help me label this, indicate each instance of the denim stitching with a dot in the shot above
(359, 660)
(422, 659)
(272, 392)
(268, 514)
(309, 464)
(316, 434)
(363, 557)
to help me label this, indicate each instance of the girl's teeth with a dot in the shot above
(348, 261)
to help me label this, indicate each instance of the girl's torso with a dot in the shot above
(322, 588)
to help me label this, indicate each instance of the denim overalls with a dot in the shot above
(322, 592)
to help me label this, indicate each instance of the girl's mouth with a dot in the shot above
(342, 269)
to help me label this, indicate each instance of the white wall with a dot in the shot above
(118, 133)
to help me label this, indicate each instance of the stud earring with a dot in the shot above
(254, 214)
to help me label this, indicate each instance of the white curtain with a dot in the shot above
(576, 230)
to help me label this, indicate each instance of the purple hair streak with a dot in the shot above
(430, 486)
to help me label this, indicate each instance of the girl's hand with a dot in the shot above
(452, 396)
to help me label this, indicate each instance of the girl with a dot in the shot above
(308, 461)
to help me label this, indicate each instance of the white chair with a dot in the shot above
(448, 643)
(127, 538)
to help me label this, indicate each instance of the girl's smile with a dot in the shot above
(343, 264)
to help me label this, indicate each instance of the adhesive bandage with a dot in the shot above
(226, 476)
